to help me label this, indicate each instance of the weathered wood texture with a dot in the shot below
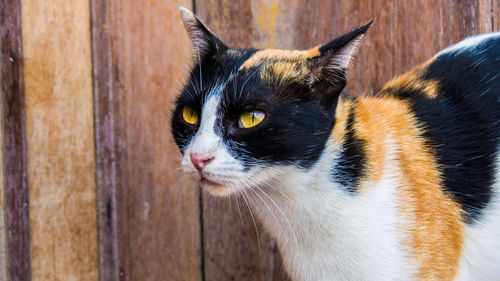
(3, 241)
(149, 222)
(405, 33)
(15, 263)
(60, 139)
(495, 18)
(107, 152)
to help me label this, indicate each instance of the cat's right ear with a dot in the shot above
(205, 43)
(332, 59)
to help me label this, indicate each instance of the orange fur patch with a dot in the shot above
(285, 71)
(269, 54)
(433, 220)
(413, 81)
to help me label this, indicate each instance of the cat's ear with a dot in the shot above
(204, 41)
(333, 59)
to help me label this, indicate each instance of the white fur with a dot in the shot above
(325, 233)
(480, 259)
(469, 43)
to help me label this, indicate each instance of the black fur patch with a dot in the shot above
(295, 130)
(350, 166)
(462, 124)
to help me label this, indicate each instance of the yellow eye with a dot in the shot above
(189, 115)
(250, 119)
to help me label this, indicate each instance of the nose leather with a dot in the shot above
(201, 160)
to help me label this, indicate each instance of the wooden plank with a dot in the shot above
(105, 144)
(154, 220)
(405, 33)
(485, 15)
(495, 18)
(3, 241)
(60, 139)
(15, 188)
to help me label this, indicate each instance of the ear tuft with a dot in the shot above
(204, 41)
(328, 66)
(339, 52)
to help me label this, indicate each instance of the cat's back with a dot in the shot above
(469, 72)
(454, 99)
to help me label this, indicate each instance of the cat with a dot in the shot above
(402, 184)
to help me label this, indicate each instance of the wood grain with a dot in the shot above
(3, 231)
(108, 182)
(15, 188)
(495, 18)
(151, 228)
(60, 139)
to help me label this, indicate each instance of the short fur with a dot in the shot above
(400, 185)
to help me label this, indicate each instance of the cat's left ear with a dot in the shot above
(329, 65)
(204, 41)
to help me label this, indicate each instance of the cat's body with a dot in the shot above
(400, 185)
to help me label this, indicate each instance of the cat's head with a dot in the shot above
(245, 115)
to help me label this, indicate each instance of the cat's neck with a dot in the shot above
(313, 218)
(287, 204)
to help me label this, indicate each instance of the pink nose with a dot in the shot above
(200, 160)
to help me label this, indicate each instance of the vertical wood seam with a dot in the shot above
(14, 139)
(104, 114)
(492, 11)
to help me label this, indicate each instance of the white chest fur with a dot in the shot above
(325, 233)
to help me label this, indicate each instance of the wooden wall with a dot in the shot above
(89, 188)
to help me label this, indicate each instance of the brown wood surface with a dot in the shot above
(405, 33)
(60, 139)
(3, 240)
(150, 229)
(105, 114)
(16, 254)
(495, 18)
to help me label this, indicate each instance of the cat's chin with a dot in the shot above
(215, 189)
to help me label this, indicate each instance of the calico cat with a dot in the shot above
(399, 185)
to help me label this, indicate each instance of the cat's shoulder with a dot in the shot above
(474, 45)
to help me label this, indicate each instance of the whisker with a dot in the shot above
(281, 211)
(237, 204)
(245, 195)
(269, 209)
